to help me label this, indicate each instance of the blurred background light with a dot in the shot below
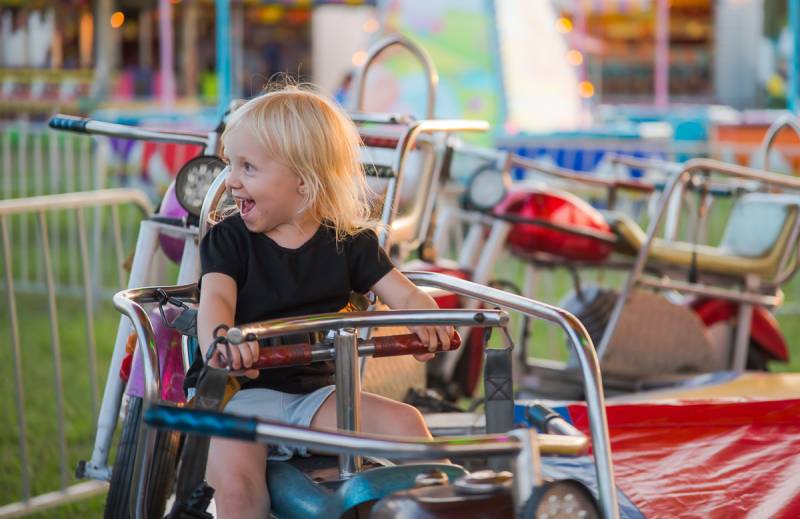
(117, 19)
(564, 25)
(585, 89)
(359, 58)
(574, 57)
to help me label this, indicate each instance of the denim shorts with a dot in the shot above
(268, 404)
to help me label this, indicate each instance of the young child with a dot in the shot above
(299, 243)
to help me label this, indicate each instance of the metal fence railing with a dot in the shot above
(70, 209)
(36, 344)
(36, 160)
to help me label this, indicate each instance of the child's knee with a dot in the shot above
(238, 495)
(410, 421)
(237, 474)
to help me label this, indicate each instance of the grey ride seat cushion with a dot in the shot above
(656, 337)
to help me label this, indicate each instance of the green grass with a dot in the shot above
(39, 392)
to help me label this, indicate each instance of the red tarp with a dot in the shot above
(706, 459)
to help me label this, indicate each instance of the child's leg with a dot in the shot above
(379, 415)
(237, 471)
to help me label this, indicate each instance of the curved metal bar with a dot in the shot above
(580, 342)
(186, 293)
(147, 348)
(557, 172)
(142, 134)
(408, 227)
(99, 197)
(431, 76)
(320, 322)
(214, 423)
(601, 236)
(379, 118)
(215, 193)
(666, 166)
(128, 303)
(123, 131)
(680, 179)
(786, 121)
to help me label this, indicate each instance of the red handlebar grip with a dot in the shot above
(408, 344)
(286, 355)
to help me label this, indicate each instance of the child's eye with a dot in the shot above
(248, 167)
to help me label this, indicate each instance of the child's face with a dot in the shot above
(266, 191)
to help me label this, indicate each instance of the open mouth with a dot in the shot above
(245, 205)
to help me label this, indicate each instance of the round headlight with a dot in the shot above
(486, 188)
(194, 179)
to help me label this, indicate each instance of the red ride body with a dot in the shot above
(557, 207)
(764, 331)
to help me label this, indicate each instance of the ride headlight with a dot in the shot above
(486, 188)
(194, 179)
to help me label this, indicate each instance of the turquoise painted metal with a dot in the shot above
(794, 69)
(224, 73)
(304, 497)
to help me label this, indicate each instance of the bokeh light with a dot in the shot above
(359, 58)
(371, 25)
(564, 25)
(574, 57)
(117, 19)
(585, 89)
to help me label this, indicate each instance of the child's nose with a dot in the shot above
(232, 180)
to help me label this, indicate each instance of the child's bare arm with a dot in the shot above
(398, 292)
(218, 306)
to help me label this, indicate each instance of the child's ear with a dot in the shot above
(301, 186)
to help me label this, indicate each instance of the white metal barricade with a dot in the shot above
(100, 258)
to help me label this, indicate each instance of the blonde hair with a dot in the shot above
(311, 135)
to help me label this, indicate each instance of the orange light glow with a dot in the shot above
(359, 58)
(371, 25)
(117, 19)
(585, 89)
(564, 25)
(574, 57)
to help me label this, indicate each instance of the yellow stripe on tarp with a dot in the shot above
(759, 386)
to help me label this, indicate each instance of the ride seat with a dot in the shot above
(758, 236)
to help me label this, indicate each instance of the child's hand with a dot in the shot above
(432, 336)
(242, 356)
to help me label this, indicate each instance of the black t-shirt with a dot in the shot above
(274, 282)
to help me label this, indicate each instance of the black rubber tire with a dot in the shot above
(594, 310)
(163, 473)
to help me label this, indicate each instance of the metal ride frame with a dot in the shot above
(480, 252)
(753, 293)
(522, 444)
